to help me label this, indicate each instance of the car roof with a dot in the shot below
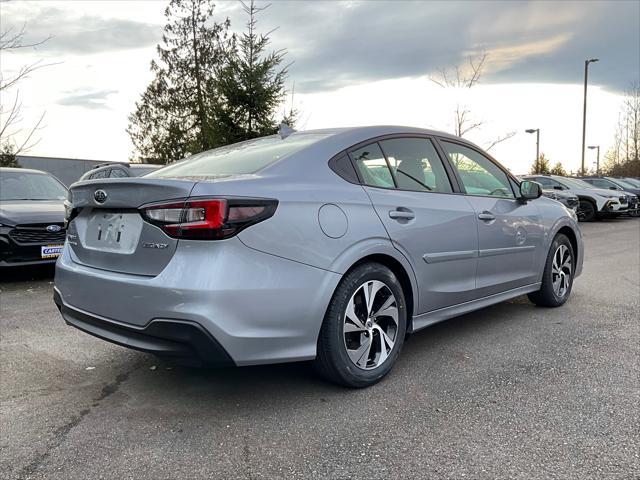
(333, 141)
(370, 131)
(24, 170)
(144, 165)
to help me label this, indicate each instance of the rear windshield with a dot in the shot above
(140, 171)
(240, 158)
(30, 186)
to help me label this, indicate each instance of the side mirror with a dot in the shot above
(613, 188)
(530, 190)
(558, 187)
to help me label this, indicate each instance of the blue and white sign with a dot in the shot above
(50, 251)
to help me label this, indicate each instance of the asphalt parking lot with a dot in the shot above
(512, 391)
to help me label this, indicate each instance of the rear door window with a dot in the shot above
(99, 174)
(118, 173)
(416, 165)
(372, 166)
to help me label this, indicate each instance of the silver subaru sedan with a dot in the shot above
(325, 245)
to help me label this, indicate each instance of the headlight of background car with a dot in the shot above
(572, 213)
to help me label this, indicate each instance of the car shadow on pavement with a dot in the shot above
(268, 383)
(27, 274)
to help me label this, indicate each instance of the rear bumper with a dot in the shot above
(255, 307)
(183, 342)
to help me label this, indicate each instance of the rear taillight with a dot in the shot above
(208, 218)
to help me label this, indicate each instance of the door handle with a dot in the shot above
(402, 214)
(486, 216)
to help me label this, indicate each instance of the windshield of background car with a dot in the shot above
(625, 184)
(240, 158)
(575, 183)
(633, 181)
(30, 186)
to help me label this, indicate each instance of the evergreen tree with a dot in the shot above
(541, 166)
(8, 156)
(174, 116)
(251, 85)
(558, 169)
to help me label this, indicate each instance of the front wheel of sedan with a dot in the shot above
(364, 327)
(557, 278)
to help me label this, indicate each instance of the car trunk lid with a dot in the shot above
(108, 232)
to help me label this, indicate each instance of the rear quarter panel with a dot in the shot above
(295, 231)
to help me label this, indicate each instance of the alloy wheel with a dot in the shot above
(370, 325)
(561, 270)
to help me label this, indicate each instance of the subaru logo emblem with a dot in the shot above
(100, 196)
(53, 228)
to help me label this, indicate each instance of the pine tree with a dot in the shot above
(541, 166)
(558, 169)
(174, 116)
(251, 85)
(8, 156)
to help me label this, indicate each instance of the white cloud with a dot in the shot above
(365, 63)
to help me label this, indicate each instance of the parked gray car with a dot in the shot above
(325, 245)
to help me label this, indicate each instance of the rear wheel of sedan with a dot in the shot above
(557, 278)
(586, 211)
(364, 327)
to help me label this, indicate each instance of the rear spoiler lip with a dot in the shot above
(129, 193)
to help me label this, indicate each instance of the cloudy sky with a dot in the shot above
(354, 63)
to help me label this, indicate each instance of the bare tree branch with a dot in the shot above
(466, 78)
(24, 146)
(500, 139)
(12, 39)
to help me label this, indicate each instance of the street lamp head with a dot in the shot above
(531, 130)
(591, 147)
(593, 60)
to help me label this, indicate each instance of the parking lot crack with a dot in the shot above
(246, 459)
(61, 433)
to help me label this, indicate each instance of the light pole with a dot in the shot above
(537, 132)
(591, 147)
(584, 108)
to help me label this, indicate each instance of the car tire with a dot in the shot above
(350, 349)
(586, 211)
(557, 278)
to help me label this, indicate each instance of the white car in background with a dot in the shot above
(594, 202)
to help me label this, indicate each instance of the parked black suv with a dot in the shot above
(31, 217)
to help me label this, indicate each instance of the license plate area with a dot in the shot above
(50, 251)
(113, 231)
